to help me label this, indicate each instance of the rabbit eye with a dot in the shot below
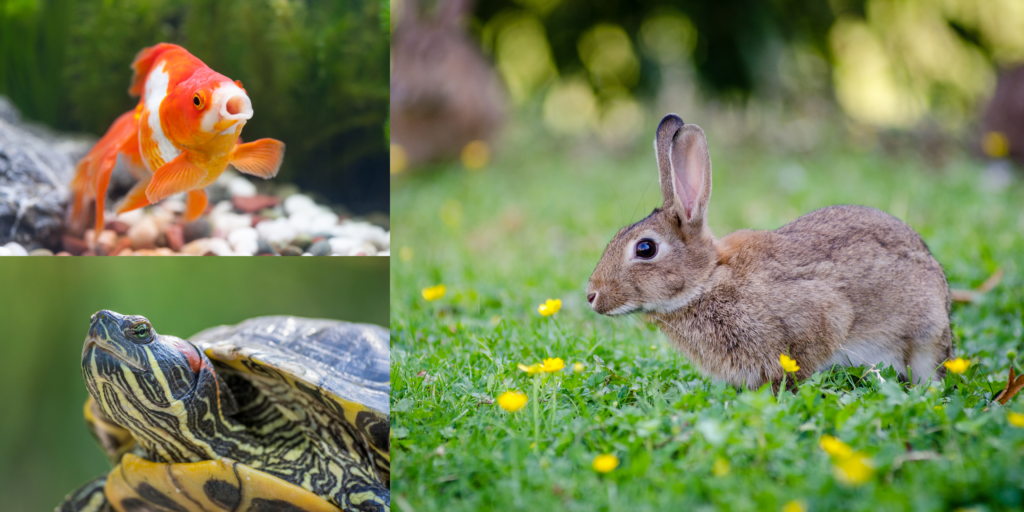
(646, 249)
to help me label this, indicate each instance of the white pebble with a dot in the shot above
(322, 222)
(363, 231)
(220, 247)
(223, 206)
(130, 217)
(343, 245)
(4, 251)
(363, 249)
(144, 233)
(15, 249)
(241, 187)
(244, 241)
(276, 231)
(174, 204)
(299, 202)
(226, 222)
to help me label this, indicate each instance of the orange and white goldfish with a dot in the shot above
(180, 138)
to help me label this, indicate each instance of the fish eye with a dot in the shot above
(140, 332)
(199, 100)
(646, 249)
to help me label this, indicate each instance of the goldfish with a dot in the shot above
(180, 137)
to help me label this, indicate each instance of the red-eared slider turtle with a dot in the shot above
(273, 414)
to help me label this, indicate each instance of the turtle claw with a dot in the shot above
(1013, 386)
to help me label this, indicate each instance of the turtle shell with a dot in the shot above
(345, 366)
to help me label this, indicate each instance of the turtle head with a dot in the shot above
(151, 384)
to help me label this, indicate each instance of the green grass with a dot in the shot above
(532, 226)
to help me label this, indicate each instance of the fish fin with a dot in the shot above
(259, 158)
(177, 176)
(92, 174)
(196, 204)
(136, 197)
(143, 63)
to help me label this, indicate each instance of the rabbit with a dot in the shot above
(444, 94)
(843, 285)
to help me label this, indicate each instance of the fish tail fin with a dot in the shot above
(144, 62)
(259, 158)
(92, 174)
(196, 204)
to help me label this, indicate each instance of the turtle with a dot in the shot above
(277, 413)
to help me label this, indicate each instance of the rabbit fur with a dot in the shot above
(846, 285)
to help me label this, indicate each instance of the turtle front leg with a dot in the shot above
(88, 498)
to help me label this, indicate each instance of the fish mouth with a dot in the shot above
(238, 107)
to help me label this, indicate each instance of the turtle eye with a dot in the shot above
(199, 100)
(140, 332)
(646, 249)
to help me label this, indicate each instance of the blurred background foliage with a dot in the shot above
(315, 69)
(597, 68)
(45, 303)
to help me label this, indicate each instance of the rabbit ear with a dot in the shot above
(691, 173)
(663, 138)
(451, 13)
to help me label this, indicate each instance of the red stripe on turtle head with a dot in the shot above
(195, 361)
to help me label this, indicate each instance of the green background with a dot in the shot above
(45, 303)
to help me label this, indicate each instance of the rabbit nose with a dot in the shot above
(591, 297)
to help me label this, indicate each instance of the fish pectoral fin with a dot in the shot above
(195, 205)
(177, 176)
(259, 158)
(136, 197)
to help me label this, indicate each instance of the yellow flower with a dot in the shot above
(550, 365)
(995, 144)
(399, 160)
(720, 468)
(433, 292)
(532, 369)
(795, 506)
(475, 155)
(853, 470)
(1015, 418)
(605, 463)
(512, 401)
(835, 447)
(550, 307)
(788, 363)
(958, 365)
(578, 367)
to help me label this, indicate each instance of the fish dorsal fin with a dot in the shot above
(144, 62)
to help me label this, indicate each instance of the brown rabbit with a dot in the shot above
(444, 95)
(847, 285)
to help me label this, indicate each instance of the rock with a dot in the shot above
(175, 236)
(35, 168)
(41, 252)
(173, 204)
(127, 251)
(363, 249)
(122, 243)
(278, 231)
(226, 222)
(63, 253)
(144, 233)
(165, 251)
(342, 245)
(201, 228)
(118, 226)
(73, 245)
(253, 204)
(298, 203)
(244, 241)
(15, 249)
(265, 249)
(291, 250)
(363, 231)
(5, 252)
(106, 242)
(241, 187)
(302, 242)
(220, 247)
(198, 247)
(131, 217)
(320, 248)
